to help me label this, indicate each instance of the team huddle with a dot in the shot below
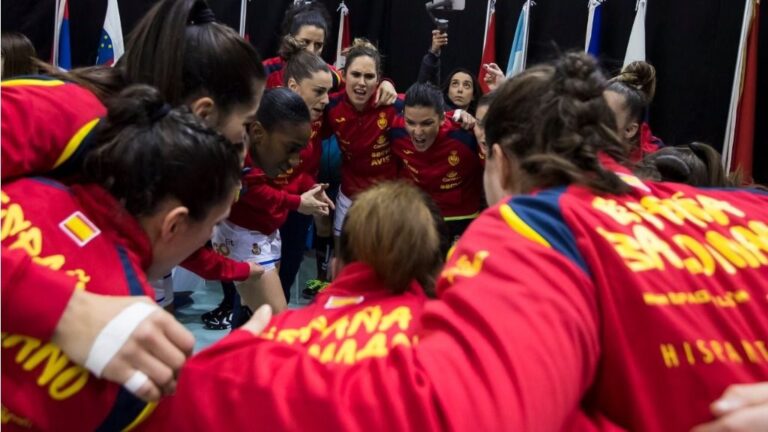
(532, 258)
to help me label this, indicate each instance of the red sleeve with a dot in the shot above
(490, 356)
(210, 265)
(266, 196)
(45, 125)
(34, 297)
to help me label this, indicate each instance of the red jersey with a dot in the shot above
(353, 319)
(82, 232)
(364, 142)
(46, 126)
(301, 179)
(641, 308)
(648, 144)
(275, 69)
(262, 206)
(450, 170)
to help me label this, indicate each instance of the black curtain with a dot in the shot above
(692, 43)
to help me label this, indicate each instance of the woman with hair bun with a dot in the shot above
(586, 298)
(149, 196)
(696, 164)
(629, 95)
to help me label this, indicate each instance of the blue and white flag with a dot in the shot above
(62, 51)
(519, 52)
(636, 45)
(111, 46)
(594, 27)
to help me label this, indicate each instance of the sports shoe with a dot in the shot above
(312, 287)
(218, 319)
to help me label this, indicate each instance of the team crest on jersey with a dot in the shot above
(382, 121)
(453, 159)
(335, 302)
(255, 249)
(221, 248)
(79, 228)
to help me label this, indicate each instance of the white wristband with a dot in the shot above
(457, 115)
(115, 334)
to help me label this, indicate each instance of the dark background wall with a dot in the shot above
(693, 44)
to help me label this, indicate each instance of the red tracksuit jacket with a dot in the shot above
(83, 233)
(364, 142)
(641, 308)
(70, 114)
(262, 206)
(450, 170)
(353, 319)
(275, 69)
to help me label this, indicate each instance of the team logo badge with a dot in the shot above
(382, 121)
(255, 249)
(79, 228)
(335, 302)
(453, 159)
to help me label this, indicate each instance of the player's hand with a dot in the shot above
(259, 320)
(156, 348)
(439, 40)
(256, 271)
(466, 120)
(493, 75)
(743, 407)
(385, 95)
(315, 202)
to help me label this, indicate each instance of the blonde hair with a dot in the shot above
(392, 228)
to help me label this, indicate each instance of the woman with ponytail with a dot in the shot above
(148, 195)
(584, 298)
(629, 95)
(177, 47)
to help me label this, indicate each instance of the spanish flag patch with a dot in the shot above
(335, 302)
(79, 228)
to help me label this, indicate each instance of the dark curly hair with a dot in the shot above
(553, 120)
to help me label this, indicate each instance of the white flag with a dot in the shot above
(636, 46)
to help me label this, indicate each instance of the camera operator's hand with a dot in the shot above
(439, 40)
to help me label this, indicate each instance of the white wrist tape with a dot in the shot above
(457, 115)
(115, 334)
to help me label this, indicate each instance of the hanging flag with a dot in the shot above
(111, 46)
(740, 129)
(345, 38)
(489, 44)
(594, 27)
(636, 45)
(62, 51)
(519, 52)
(243, 14)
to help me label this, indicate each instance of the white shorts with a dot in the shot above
(343, 203)
(244, 245)
(163, 290)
